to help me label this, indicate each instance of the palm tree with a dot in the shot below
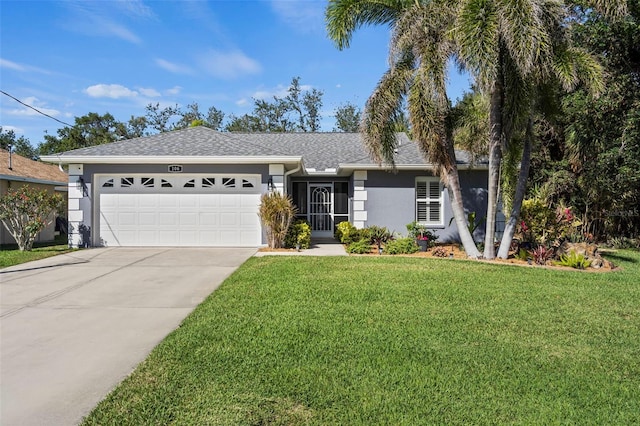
(417, 73)
(508, 46)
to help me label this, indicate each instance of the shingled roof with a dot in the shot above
(24, 169)
(319, 151)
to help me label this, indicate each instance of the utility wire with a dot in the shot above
(35, 109)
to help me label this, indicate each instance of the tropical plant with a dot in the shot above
(298, 235)
(420, 49)
(509, 47)
(276, 214)
(26, 211)
(378, 235)
(573, 260)
(542, 254)
(401, 246)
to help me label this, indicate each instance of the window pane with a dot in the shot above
(421, 189)
(341, 197)
(299, 195)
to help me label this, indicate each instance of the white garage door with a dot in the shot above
(194, 210)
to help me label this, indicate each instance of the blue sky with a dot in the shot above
(70, 58)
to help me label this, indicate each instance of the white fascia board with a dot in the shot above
(167, 159)
(31, 180)
(420, 167)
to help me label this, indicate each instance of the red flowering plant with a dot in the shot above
(419, 232)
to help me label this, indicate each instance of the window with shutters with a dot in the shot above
(429, 201)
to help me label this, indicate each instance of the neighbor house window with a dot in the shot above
(429, 201)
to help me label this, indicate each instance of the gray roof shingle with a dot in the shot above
(319, 151)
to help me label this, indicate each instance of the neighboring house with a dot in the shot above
(17, 171)
(200, 187)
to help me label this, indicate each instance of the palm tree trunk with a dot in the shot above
(525, 163)
(455, 196)
(495, 158)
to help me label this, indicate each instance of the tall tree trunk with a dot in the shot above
(525, 163)
(452, 180)
(495, 158)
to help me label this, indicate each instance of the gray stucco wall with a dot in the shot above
(391, 200)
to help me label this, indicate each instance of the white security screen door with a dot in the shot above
(321, 209)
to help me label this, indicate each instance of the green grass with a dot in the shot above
(396, 341)
(10, 255)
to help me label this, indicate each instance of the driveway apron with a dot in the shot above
(73, 326)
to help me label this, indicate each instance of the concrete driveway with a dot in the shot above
(73, 326)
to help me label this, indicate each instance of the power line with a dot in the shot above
(35, 109)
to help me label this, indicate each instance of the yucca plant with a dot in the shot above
(276, 214)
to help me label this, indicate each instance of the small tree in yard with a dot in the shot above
(26, 211)
(276, 214)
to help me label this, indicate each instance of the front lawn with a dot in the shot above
(10, 255)
(391, 341)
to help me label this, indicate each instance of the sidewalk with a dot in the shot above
(324, 247)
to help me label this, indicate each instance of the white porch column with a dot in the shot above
(75, 215)
(359, 199)
(276, 176)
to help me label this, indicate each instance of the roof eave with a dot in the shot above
(32, 180)
(344, 167)
(168, 159)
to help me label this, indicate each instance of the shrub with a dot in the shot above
(299, 233)
(276, 214)
(439, 252)
(346, 233)
(401, 246)
(573, 260)
(378, 235)
(522, 254)
(542, 254)
(359, 247)
(26, 211)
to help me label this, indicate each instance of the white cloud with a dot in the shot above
(135, 8)
(174, 90)
(113, 91)
(16, 130)
(303, 15)
(100, 19)
(34, 102)
(242, 102)
(280, 91)
(5, 63)
(113, 28)
(151, 93)
(173, 67)
(229, 65)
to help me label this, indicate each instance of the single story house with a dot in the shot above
(200, 187)
(17, 171)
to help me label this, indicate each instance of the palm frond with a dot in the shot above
(382, 109)
(344, 17)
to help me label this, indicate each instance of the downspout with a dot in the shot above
(286, 175)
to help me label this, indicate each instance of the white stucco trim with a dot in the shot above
(168, 159)
(359, 214)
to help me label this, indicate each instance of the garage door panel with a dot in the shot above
(178, 219)
(208, 219)
(188, 219)
(167, 201)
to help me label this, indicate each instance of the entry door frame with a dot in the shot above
(320, 208)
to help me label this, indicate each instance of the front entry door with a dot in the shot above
(320, 209)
